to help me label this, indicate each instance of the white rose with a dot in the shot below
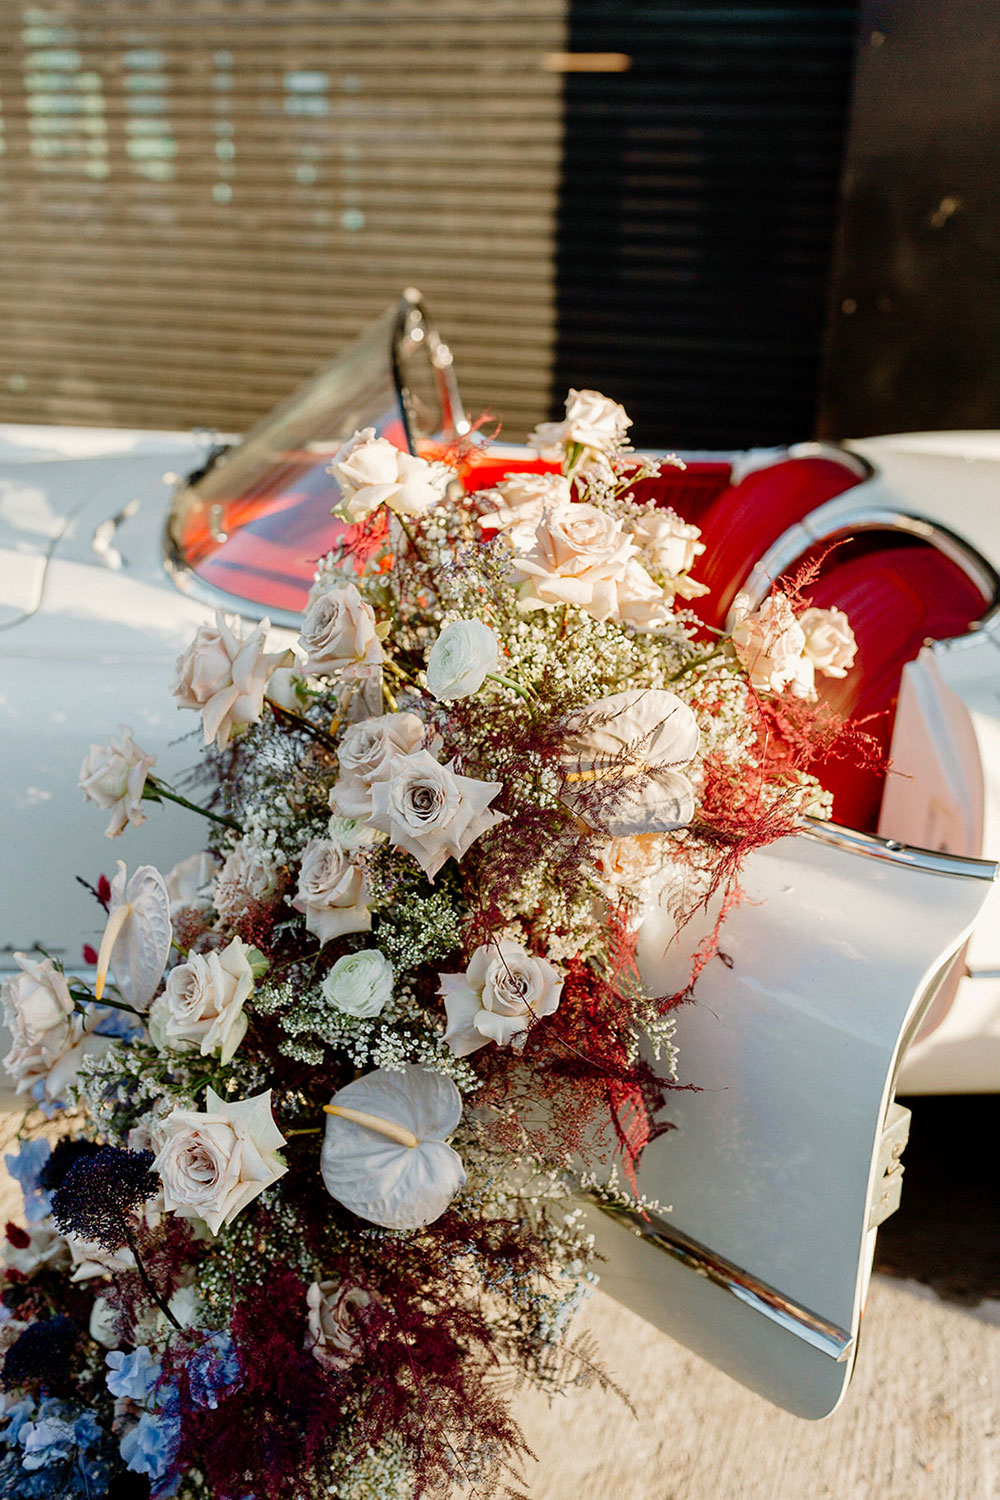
(635, 863)
(623, 757)
(501, 993)
(428, 810)
(332, 1337)
(592, 420)
(579, 557)
(103, 1327)
(371, 472)
(360, 984)
(830, 643)
(49, 1040)
(113, 776)
(669, 546)
(248, 874)
(225, 674)
(641, 602)
(365, 753)
(522, 500)
(189, 883)
(461, 659)
(202, 1002)
(213, 1164)
(44, 1248)
(332, 892)
(769, 642)
(339, 635)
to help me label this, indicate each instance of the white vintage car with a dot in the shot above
(874, 962)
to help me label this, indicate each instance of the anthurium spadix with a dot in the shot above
(385, 1156)
(136, 941)
(622, 762)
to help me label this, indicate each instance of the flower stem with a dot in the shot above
(156, 791)
(81, 997)
(515, 687)
(296, 721)
(144, 1278)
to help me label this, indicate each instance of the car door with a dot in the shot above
(784, 1158)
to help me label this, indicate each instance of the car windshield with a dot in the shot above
(253, 525)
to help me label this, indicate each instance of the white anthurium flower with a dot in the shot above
(385, 1156)
(371, 472)
(113, 776)
(430, 811)
(202, 1003)
(622, 762)
(225, 674)
(360, 984)
(461, 659)
(504, 989)
(136, 941)
(213, 1163)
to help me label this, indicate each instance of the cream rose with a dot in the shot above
(371, 472)
(44, 1248)
(637, 863)
(225, 675)
(332, 1336)
(431, 812)
(202, 1003)
(249, 873)
(339, 635)
(593, 421)
(501, 993)
(461, 659)
(769, 643)
(113, 776)
(189, 883)
(669, 546)
(50, 1041)
(360, 984)
(365, 753)
(830, 643)
(641, 602)
(332, 893)
(579, 557)
(213, 1164)
(521, 501)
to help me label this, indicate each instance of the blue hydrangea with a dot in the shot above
(49, 1441)
(150, 1446)
(25, 1167)
(118, 1023)
(133, 1375)
(15, 1416)
(214, 1370)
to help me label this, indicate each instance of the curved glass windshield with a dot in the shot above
(253, 525)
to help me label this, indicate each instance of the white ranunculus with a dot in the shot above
(461, 658)
(360, 984)
(332, 1331)
(502, 992)
(580, 556)
(431, 812)
(365, 752)
(371, 472)
(213, 1163)
(49, 1040)
(248, 874)
(225, 674)
(404, 1179)
(113, 776)
(521, 501)
(830, 643)
(623, 757)
(339, 635)
(332, 893)
(769, 643)
(202, 1002)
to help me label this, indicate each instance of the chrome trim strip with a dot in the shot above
(799, 538)
(822, 1334)
(873, 846)
(186, 581)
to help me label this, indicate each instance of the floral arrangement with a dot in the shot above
(302, 1165)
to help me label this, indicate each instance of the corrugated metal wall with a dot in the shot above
(201, 200)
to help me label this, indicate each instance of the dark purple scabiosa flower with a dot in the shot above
(42, 1353)
(100, 1191)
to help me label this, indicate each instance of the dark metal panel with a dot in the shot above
(914, 337)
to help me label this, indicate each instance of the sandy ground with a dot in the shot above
(920, 1422)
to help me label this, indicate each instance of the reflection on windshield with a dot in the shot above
(255, 524)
